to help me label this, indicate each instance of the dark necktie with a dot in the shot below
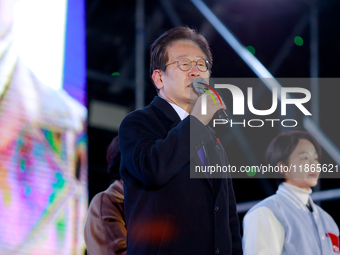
(309, 206)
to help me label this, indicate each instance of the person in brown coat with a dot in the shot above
(105, 229)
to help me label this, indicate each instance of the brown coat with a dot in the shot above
(105, 229)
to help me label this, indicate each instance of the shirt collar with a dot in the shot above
(181, 113)
(302, 194)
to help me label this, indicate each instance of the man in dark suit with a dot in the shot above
(167, 212)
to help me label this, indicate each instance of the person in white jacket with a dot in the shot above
(289, 222)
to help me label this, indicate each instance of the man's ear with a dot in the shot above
(280, 163)
(157, 78)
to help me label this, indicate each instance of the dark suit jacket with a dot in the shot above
(167, 212)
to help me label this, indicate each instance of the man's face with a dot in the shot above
(177, 84)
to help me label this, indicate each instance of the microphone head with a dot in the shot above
(199, 84)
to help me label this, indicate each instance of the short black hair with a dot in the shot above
(113, 157)
(283, 145)
(158, 49)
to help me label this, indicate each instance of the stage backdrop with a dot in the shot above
(43, 142)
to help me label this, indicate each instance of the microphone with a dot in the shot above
(201, 83)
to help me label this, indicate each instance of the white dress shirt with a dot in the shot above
(181, 113)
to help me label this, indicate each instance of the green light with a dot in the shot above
(251, 49)
(115, 74)
(22, 165)
(298, 41)
(251, 171)
(60, 181)
(52, 197)
(61, 227)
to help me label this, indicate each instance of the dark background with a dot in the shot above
(264, 24)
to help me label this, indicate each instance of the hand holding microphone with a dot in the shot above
(213, 110)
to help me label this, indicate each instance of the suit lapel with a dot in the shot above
(167, 110)
(206, 176)
(215, 157)
(172, 115)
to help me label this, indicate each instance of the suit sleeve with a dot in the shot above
(153, 158)
(262, 233)
(234, 222)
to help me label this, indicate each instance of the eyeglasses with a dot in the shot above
(185, 64)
